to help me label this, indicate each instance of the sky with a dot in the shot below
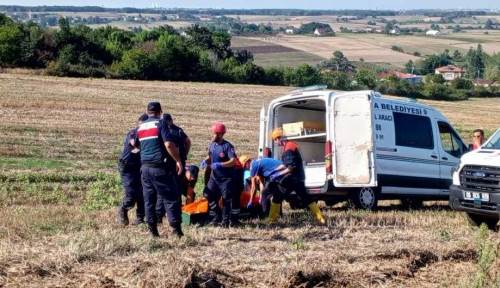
(301, 4)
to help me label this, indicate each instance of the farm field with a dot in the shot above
(59, 144)
(376, 48)
(271, 54)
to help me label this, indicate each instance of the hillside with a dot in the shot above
(59, 143)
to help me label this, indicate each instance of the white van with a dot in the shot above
(370, 148)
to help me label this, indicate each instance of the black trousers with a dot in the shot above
(281, 188)
(215, 189)
(181, 187)
(238, 187)
(132, 186)
(160, 188)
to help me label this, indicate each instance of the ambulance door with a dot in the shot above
(353, 140)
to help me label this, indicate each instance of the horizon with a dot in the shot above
(394, 5)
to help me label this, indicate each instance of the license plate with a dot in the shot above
(477, 196)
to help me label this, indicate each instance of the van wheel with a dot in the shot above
(412, 203)
(477, 220)
(365, 198)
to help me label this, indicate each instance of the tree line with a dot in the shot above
(201, 54)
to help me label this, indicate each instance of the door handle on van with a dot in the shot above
(444, 158)
(434, 156)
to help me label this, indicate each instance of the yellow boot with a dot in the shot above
(317, 213)
(274, 213)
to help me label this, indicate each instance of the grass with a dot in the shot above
(58, 212)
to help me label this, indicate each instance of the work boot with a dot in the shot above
(225, 224)
(122, 216)
(274, 213)
(177, 231)
(153, 231)
(317, 213)
(138, 221)
(235, 223)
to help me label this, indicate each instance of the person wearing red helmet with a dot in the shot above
(221, 158)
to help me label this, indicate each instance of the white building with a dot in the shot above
(433, 33)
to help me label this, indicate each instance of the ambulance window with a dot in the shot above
(413, 131)
(450, 142)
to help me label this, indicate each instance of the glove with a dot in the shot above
(249, 205)
(216, 166)
(203, 164)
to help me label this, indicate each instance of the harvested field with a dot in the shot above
(61, 136)
(354, 48)
(269, 54)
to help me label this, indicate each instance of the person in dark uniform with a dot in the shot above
(292, 159)
(183, 143)
(222, 158)
(130, 170)
(279, 182)
(161, 164)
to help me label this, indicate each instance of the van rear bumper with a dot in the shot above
(458, 202)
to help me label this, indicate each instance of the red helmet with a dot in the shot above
(219, 128)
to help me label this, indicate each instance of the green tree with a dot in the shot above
(11, 38)
(338, 63)
(410, 67)
(337, 80)
(303, 75)
(135, 64)
(475, 62)
(366, 78)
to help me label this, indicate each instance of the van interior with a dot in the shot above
(311, 142)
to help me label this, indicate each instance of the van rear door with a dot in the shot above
(353, 140)
(263, 119)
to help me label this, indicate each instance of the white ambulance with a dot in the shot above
(365, 147)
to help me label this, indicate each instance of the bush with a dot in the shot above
(366, 78)
(397, 48)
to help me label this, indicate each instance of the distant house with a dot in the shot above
(486, 83)
(433, 33)
(450, 72)
(319, 31)
(410, 78)
(395, 31)
(290, 31)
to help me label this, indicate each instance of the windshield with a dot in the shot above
(494, 142)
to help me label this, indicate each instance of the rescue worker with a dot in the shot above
(158, 171)
(477, 139)
(279, 182)
(191, 174)
(130, 171)
(221, 158)
(183, 143)
(239, 186)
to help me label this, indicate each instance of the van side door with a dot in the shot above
(450, 148)
(412, 167)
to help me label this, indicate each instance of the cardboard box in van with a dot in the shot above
(303, 128)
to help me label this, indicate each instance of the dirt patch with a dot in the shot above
(420, 260)
(317, 279)
(461, 255)
(211, 279)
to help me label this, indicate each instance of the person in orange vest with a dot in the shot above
(477, 139)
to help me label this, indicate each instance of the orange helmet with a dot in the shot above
(277, 133)
(244, 159)
(219, 128)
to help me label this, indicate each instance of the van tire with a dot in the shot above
(477, 220)
(365, 198)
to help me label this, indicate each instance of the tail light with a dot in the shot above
(328, 157)
(267, 152)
